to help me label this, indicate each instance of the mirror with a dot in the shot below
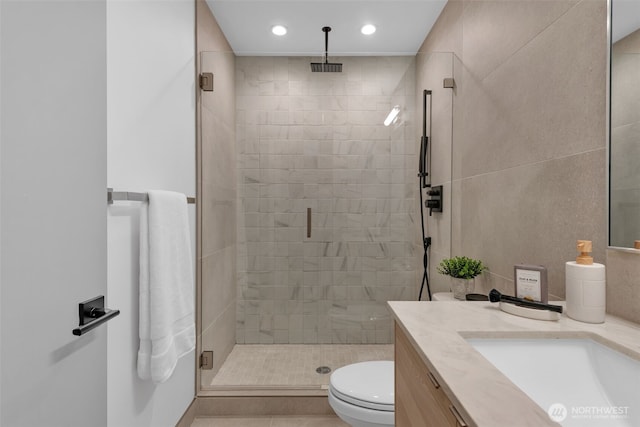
(624, 125)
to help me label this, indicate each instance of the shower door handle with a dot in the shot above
(308, 223)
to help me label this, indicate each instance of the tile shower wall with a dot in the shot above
(317, 141)
(528, 162)
(431, 69)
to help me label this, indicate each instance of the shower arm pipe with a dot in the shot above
(326, 43)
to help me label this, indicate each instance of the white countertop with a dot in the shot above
(483, 395)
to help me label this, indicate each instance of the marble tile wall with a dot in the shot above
(528, 152)
(317, 140)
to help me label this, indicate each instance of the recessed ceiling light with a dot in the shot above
(279, 30)
(368, 29)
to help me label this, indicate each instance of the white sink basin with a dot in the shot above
(593, 384)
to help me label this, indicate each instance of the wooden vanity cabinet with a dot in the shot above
(419, 399)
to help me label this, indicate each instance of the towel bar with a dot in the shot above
(133, 197)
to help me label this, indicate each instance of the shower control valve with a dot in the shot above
(434, 202)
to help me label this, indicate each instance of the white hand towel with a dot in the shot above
(167, 325)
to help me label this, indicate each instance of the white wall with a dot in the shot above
(151, 145)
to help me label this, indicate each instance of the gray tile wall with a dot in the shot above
(317, 140)
(528, 163)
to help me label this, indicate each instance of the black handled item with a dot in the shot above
(423, 172)
(495, 296)
(92, 313)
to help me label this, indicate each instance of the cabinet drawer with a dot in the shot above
(420, 401)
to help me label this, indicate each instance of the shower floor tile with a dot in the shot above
(292, 365)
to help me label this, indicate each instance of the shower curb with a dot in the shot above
(262, 405)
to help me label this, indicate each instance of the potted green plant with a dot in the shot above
(462, 271)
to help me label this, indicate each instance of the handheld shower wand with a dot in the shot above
(423, 173)
(495, 296)
(423, 183)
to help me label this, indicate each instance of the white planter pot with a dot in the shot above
(462, 287)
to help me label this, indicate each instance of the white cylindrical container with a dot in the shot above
(586, 293)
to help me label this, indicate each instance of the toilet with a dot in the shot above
(362, 394)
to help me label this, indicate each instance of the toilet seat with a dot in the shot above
(357, 416)
(362, 403)
(367, 385)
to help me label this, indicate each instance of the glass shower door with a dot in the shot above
(314, 147)
(327, 217)
(216, 248)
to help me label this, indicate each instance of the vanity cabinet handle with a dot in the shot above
(433, 380)
(456, 414)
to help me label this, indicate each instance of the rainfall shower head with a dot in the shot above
(326, 66)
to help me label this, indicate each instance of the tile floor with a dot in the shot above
(292, 365)
(279, 421)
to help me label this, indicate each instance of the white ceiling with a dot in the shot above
(402, 26)
(625, 18)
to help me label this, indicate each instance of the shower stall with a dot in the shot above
(312, 181)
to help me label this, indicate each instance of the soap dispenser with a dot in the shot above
(585, 286)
